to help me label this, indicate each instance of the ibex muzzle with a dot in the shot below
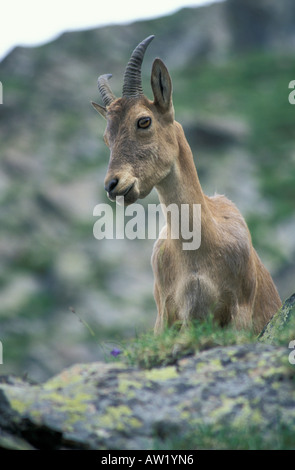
(224, 275)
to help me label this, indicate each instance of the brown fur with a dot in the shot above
(225, 275)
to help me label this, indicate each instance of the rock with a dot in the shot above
(211, 133)
(112, 406)
(282, 321)
(249, 34)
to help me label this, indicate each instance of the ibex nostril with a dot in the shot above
(111, 185)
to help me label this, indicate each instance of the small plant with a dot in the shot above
(115, 352)
(250, 437)
(149, 350)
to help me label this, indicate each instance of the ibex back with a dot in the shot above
(224, 276)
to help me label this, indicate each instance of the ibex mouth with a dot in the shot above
(127, 190)
(127, 195)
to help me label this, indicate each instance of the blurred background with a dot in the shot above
(66, 297)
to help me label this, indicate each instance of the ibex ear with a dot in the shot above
(161, 86)
(100, 109)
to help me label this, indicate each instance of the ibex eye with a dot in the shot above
(144, 122)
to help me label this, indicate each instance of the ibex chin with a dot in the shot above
(148, 148)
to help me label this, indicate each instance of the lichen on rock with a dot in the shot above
(282, 323)
(243, 390)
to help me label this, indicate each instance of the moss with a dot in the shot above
(225, 408)
(185, 415)
(37, 416)
(232, 355)
(126, 386)
(216, 364)
(247, 416)
(200, 366)
(213, 366)
(18, 405)
(118, 417)
(72, 407)
(134, 422)
(67, 377)
(76, 403)
(272, 372)
(282, 325)
(256, 375)
(165, 373)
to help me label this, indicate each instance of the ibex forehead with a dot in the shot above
(123, 106)
(124, 111)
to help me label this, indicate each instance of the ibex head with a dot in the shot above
(140, 133)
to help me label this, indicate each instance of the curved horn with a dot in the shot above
(104, 88)
(132, 78)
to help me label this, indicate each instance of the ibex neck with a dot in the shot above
(181, 185)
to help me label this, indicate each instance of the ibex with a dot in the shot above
(224, 276)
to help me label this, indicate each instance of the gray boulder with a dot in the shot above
(206, 400)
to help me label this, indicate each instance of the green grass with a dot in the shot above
(212, 437)
(149, 350)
